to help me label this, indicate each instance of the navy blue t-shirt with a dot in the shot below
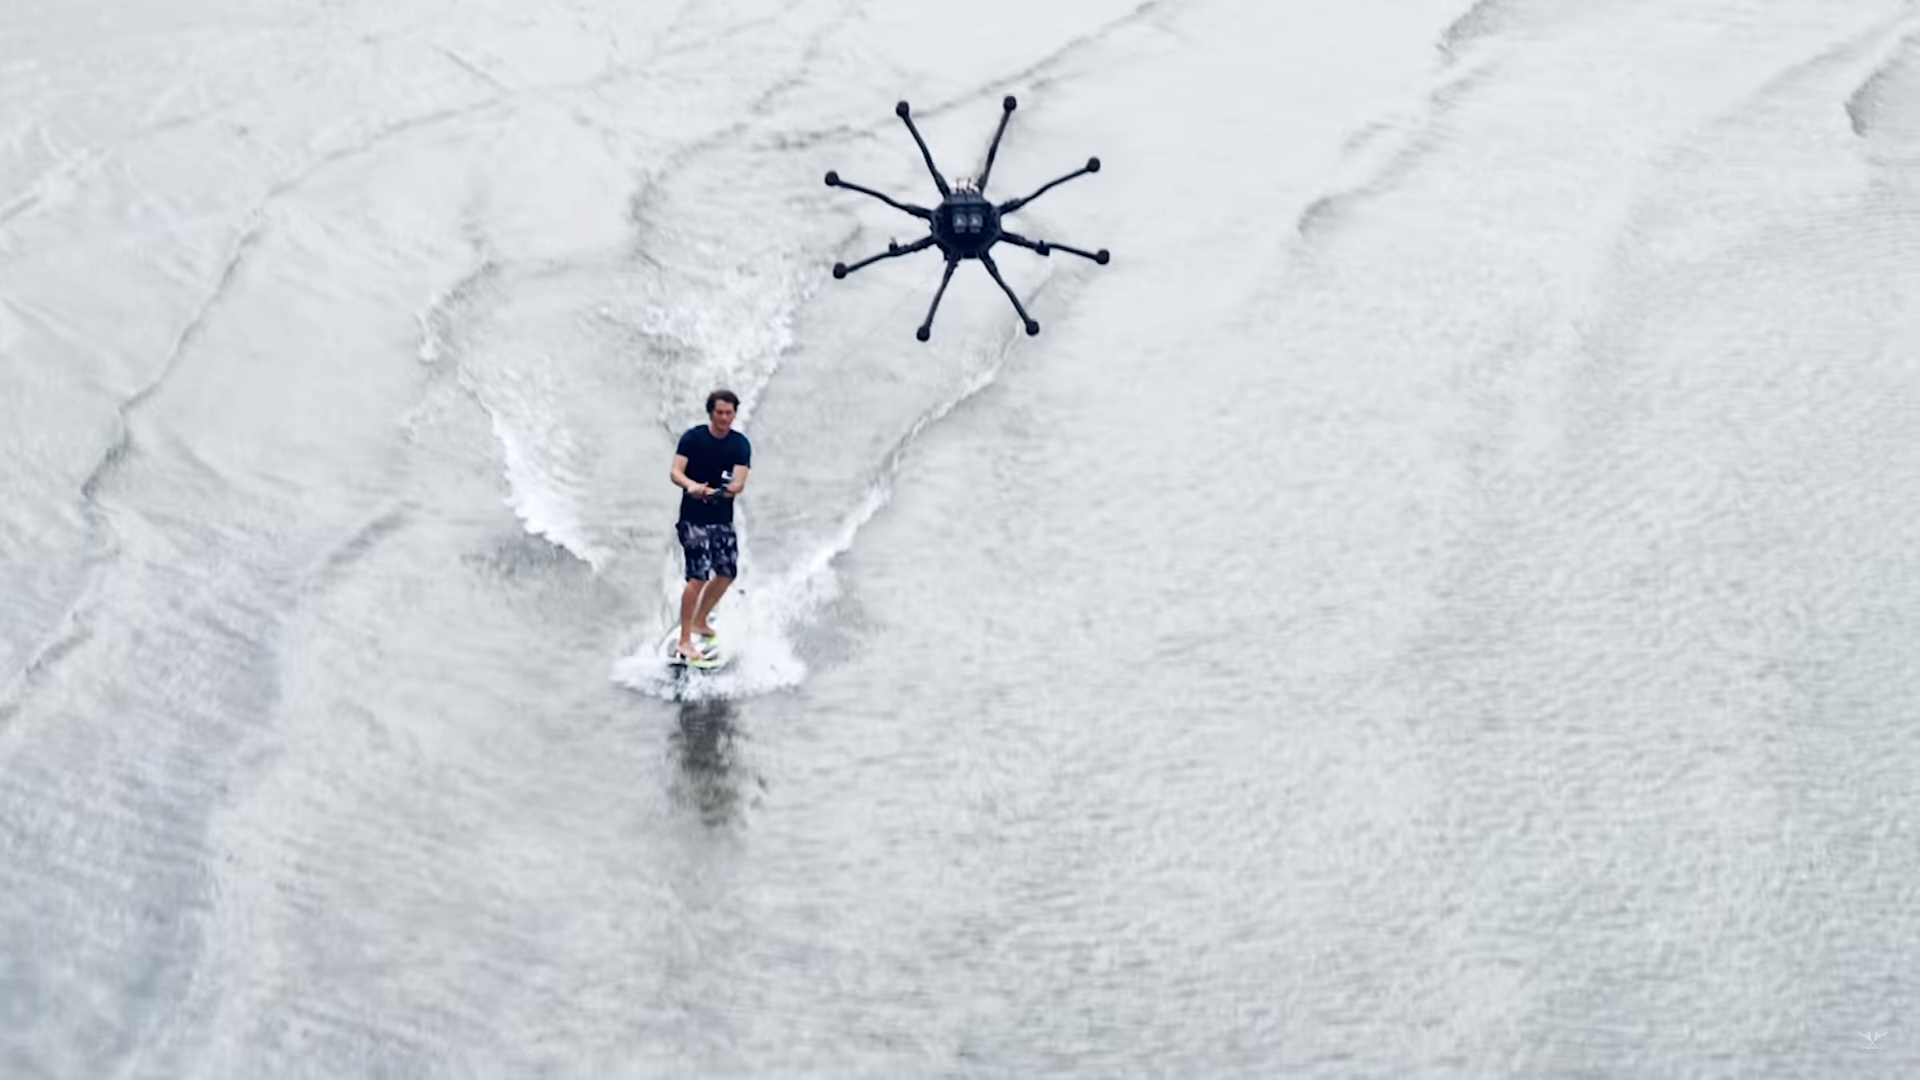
(710, 461)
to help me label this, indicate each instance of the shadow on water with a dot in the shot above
(712, 779)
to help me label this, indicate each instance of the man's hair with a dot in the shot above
(727, 396)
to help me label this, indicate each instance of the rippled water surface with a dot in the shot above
(1439, 603)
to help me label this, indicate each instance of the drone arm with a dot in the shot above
(1100, 256)
(1092, 166)
(926, 155)
(1047, 247)
(921, 212)
(1006, 113)
(986, 260)
(893, 251)
(926, 328)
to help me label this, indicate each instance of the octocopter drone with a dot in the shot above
(965, 224)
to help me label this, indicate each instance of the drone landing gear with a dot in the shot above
(965, 224)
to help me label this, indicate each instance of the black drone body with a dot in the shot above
(965, 224)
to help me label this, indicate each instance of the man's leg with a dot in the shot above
(709, 596)
(723, 557)
(689, 601)
(694, 542)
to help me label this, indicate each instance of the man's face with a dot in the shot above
(722, 416)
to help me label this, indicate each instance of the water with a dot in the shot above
(1435, 605)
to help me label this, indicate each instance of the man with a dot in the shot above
(710, 467)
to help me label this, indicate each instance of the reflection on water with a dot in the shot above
(706, 745)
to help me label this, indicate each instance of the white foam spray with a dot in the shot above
(759, 622)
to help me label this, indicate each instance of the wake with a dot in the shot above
(761, 622)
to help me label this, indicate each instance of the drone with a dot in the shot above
(965, 224)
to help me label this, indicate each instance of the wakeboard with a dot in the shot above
(716, 656)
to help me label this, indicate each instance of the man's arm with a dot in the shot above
(681, 480)
(739, 480)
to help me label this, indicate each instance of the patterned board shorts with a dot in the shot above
(711, 550)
